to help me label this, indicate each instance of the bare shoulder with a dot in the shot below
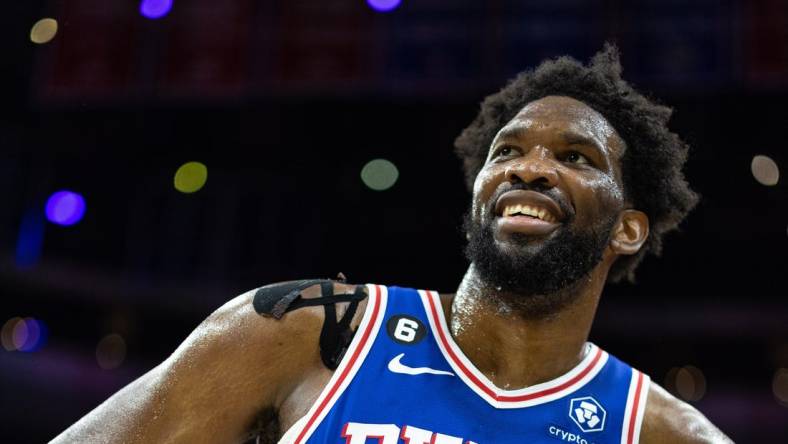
(238, 363)
(249, 346)
(670, 420)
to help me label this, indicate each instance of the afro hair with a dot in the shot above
(654, 156)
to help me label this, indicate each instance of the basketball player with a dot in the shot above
(575, 177)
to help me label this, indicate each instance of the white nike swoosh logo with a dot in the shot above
(395, 366)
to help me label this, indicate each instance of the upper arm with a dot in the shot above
(669, 420)
(237, 363)
(242, 362)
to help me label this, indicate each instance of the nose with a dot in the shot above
(536, 168)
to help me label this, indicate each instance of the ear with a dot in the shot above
(630, 233)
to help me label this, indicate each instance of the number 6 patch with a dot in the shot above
(405, 329)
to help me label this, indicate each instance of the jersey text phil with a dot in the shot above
(357, 433)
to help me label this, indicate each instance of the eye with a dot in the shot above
(505, 150)
(575, 157)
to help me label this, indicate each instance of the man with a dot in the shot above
(575, 177)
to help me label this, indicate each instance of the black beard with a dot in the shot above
(536, 283)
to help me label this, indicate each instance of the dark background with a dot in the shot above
(286, 101)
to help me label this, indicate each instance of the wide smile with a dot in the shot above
(527, 212)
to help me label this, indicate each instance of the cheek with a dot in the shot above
(603, 196)
(610, 191)
(483, 188)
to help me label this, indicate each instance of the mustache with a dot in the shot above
(552, 193)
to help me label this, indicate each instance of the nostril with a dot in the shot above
(514, 178)
(533, 174)
(540, 183)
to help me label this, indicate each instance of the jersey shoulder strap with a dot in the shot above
(277, 299)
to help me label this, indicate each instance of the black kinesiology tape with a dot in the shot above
(277, 299)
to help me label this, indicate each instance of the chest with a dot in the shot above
(405, 380)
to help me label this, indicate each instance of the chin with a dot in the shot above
(516, 249)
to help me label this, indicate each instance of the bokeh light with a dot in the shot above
(25, 335)
(780, 386)
(687, 382)
(379, 174)
(155, 9)
(383, 5)
(36, 335)
(65, 208)
(7, 334)
(43, 31)
(29, 339)
(30, 241)
(190, 177)
(111, 351)
(19, 334)
(765, 170)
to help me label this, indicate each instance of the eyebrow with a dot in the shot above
(512, 132)
(573, 138)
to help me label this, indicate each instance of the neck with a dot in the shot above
(516, 351)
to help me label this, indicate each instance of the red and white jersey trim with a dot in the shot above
(636, 407)
(571, 381)
(347, 369)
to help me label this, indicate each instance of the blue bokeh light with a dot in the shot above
(65, 208)
(155, 9)
(37, 333)
(31, 238)
(383, 5)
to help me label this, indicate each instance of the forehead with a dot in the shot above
(563, 113)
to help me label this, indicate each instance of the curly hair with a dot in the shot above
(654, 156)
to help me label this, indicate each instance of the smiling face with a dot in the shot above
(547, 199)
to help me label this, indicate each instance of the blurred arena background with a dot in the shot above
(158, 158)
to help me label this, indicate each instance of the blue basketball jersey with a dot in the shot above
(404, 380)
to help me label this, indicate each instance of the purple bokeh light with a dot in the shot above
(383, 5)
(154, 9)
(34, 337)
(65, 208)
(27, 340)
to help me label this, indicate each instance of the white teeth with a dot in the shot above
(540, 213)
(512, 209)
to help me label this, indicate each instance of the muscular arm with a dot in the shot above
(670, 421)
(233, 366)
